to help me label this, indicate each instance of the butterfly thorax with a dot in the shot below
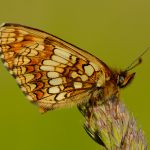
(106, 87)
(110, 83)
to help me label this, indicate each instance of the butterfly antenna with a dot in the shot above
(137, 61)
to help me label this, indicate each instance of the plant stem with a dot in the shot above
(110, 125)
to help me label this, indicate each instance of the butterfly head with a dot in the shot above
(124, 78)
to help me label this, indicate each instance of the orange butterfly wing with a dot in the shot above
(51, 72)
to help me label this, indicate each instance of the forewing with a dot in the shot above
(51, 72)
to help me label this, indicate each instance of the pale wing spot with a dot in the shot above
(62, 53)
(7, 34)
(24, 51)
(15, 71)
(77, 85)
(8, 55)
(2, 26)
(56, 81)
(74, 75)
(6, 64)
(4, 48)
(51, 63)
(101, 80)
(16, 60)
(29, 98)
(84, 77)
(32, 87)
(22, 60)
(10, 40)
(24, 78)
(18, 80)
(54, 89)
(73, 59)
(28, 77)
(53, 74)
(19, 70)
(28, 51)
(2, 56)
(8, 29)
(59, 59)
(24, 89)
(40, 47)
(3, 34)
(12, 34)
(19, 39)
(89, 70)
(11, 72)
(33, 53)
(61, 87)
(95, 66)
(7, 40)
(61, 96)
(11, 54)
(33, 46)
(26, 60)
(37, 39)
(23, 32)
(23, 70)
(47, 68)
(69, 64)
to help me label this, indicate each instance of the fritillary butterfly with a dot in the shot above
(53, 73)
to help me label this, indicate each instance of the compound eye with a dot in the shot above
(125, 79)
(121, 79)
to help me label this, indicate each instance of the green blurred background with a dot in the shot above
(115, 31)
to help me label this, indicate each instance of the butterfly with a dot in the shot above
(53, 73)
